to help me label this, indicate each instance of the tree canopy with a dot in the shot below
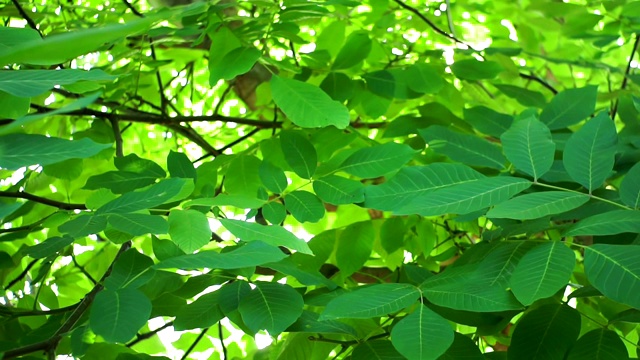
(339, 179)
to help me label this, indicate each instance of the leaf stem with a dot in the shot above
(610, 202)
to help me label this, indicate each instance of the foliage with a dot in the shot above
(377, 179)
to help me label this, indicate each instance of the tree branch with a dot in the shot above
(22, 274)
(147, 335)
(539, 81)
(26, 17)
(625, 80)
(50, 344)
(193, 345)
(42, 200)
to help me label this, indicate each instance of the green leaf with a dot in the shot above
(236, 62)
(415, 181)
(630, 187)
(339, 86)
(461, 288)
(223, 41)
(465, 148)
(422, 335)
(12, 107)
(371, 301)
(272, 235)
(18, 150)
(306, 277)
(139, 224)
(377, 160)
(49, 247)
(338, 190)
(546, 332)
(599, 344)
(381, 83)
(424, 79)
(120, 182)
(274, 212)
(528, 145)
(243, 176)
(589, 154)
(488, 121)
(230, 294)
(466, 197)
(30, 83)
(355, 50)
(542, 272)
(189, 229)
(83, 225)
(58, 48)
(472, 69)
(154, 195)
(272, 177)
(569, 107)
(307, 105)
(615, 271)
(462, 348)
(299, 153)
(537, 205)
(254, 253)
(524, 96)
(237, 200)
(354, 247)
(309, 323)
(180, 166)
(118, 315)
(271, 306)
(132, 269)
(165, 249)
(202, 313)
(376, 349)
(607, 223)
(135, 164)
(304, 206)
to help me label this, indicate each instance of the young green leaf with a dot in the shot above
(117, 315)
(18, 150)
(304, 206)
(189, 229)
(274, 212)
(570, 107)
(465, 148)
(589, 154)
(307, 105)
(299, 153)
(415, 181)
(528, 145)
(630, 187)
(372, 301)
(135, 164)
(537, 205)
(424, 79)
(422, 335)
(338, 190)
(542, 272)
(615, 271)
(243, 176)
(354, 247)
(254, 253)
(546, 332)
(236, 62)
(377, 160)
(272, 235)
(355, 50)
(271, 306)
(524, 96)
(466, 197)
(607, 223)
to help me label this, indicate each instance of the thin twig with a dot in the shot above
(221, 337)
(42, 200)
(195, 342)
(22, 274)
(625, 80)
(83, 270)
(539, 81)
(26, 17)
(147, 335)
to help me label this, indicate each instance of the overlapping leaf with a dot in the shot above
(465, 148)
(118, 315)
(377, 160)
(272, 235)
(569, 107)
(537, 205)
(607, 223)
(528, 145)
(630, 187)
(271, 306)
(615, 271)
(372, 301)
(422, 335)
(299, 153)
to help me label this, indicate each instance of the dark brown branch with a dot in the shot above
(31, 227)
(26, 17)
(83, 270)
(22, 274)
(133, 10)
(42, 200)
(12, 312)
(195, 342)
(539, 81)
(625, 80)
(221, 337)
(115, 126)
(148, 335)
(50, 344)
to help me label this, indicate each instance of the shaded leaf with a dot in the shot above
(371, 301)
(271, 306)
(272, 177)
(607, 223)
(537, 205)
(615, 271)
(569, 107)
(355, 49)
(338, 190)
(202, 313)
(472, 69)
(132, 269)
(377, 160)
(139, 224)
(599, 344)
(524, 96)
(376, 349)
(299, 153)
(423, 334)
(118, 315)
(180, 166)
(154, 195)
(630, 187)
(30, 83)
(49, 247)
(468, 149)
(354, 247)
(304, 206)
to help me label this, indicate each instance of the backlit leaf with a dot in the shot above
(272, 235)
(372, 301)
(150, 197)
(304, 206)
(139, 224)
(472, 69)
(189, 229)
(338, 190)
(356, 49)
(377, 160)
